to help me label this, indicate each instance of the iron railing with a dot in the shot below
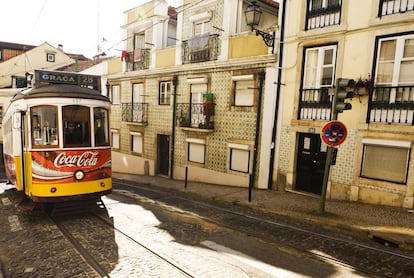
(135, 112)
(195, 52)
(138, 59)
(319, 18)
(315, 104)
(195, 115)
(392, 105)
(387, 7)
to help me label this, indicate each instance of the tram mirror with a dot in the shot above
(17, 120)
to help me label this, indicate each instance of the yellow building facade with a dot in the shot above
(371, 42)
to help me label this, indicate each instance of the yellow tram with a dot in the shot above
(56, 138)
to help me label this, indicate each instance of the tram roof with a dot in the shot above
(60, 91)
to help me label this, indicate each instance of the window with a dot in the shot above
(385, 160)
(138, 102)
(196, 150)
(50, 57)
(165, 92)
(101, 126)
(244, 88)
(76, 126)
(239, 158)
(115, 139)
(395, 61)
(137, 142)
(115, 95)
(319, 67)
(43, 120)
(321, 13)
(196, 93)
(1, 54)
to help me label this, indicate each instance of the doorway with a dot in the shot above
(163, 154)
(310, 166)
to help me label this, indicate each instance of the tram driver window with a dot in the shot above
(76, 126)
(43, 126)
(101, 128)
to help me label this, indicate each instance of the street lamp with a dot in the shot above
(253, 14)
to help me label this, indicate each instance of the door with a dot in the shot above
(163, 151)
(310, 166)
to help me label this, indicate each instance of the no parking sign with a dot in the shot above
(333, 133)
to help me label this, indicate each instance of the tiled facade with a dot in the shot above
(234, 126)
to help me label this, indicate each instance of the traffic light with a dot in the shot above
(344, 90)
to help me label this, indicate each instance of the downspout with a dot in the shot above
(278, 87)
(252, 176)
(175, 81)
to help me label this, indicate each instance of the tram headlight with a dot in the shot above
(79, 175)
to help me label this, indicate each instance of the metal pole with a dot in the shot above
(186, 177)
(334, 116)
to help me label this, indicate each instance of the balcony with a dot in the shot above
(139, 59)
(387, 7)
(196, 115)
(392, 105)
(201, 48)
(319, 18)
(135, 112)
(315, 104)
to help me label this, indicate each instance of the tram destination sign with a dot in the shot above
(60, 77)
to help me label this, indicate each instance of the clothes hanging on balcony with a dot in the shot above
(199, 42)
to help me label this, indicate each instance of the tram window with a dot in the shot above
(44, 126)
(76, 126)
(101, 126)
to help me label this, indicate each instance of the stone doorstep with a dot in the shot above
(393, 239)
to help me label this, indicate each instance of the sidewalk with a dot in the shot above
(389, 224)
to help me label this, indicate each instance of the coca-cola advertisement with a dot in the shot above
(60, 166)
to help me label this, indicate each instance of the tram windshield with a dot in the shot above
(76, 126)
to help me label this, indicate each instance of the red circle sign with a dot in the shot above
(333, 133)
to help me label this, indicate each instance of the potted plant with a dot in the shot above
(183, 121)
(363, 86)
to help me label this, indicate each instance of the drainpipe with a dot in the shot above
(175, 81)
(278, 87)
(252, 176)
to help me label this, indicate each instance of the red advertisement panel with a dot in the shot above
(60, 166)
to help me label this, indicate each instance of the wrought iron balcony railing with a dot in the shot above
(135, 112)
(319, 18)
(200, 49)
(315, 104)
(392, 105)
(196, 115)
(387, 7)
(139, 59)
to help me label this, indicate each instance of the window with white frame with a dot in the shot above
(321, 13)
(201, 23)
(239, 158)
(319, 67)
(50, 57)
(196, 150)
(165, 92)
(395, 61)
(244, 88)
(385, 160)
(115, 94)
(115, 139)
(137, 142)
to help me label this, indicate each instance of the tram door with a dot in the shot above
(163, 154)
(310, 166)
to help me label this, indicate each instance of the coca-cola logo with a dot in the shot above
(83, 160)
